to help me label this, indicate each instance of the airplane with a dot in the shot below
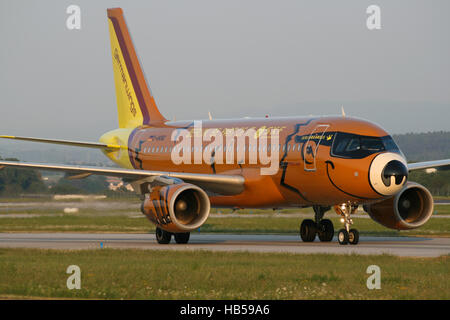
(324, 162)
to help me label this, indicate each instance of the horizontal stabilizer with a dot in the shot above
(68, 143)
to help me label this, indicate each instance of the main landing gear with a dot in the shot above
(164, 237)
(323, 228)
(347, 235)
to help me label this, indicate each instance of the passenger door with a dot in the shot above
(309, 149)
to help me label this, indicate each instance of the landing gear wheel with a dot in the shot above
(308, 230)
(353, 236)
(343, 236)
(162, 236)
(326, 230)
(182, 237)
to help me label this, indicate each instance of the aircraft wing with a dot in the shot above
(67, 142)
(217, 183)
(438, 164)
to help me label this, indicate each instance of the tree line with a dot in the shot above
(14, 182)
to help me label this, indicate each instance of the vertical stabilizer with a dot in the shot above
(135, 103)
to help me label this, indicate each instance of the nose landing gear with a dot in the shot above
(347, 235)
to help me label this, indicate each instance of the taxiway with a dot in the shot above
(398, 246)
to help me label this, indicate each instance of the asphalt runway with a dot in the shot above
(399, 246)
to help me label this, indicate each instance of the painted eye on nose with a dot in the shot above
(394, 170)
(388, 173)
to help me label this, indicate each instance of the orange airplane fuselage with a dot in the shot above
(308, 171)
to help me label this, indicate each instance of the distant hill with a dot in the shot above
(424, 146)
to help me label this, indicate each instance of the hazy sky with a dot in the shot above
(234, 58)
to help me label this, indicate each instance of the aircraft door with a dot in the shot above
(309, 149)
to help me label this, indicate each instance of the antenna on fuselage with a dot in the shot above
(343, 112)
(209, 115)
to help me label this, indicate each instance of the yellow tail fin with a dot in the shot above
(135, 103)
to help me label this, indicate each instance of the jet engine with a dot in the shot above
(408, 209)
(176, 208)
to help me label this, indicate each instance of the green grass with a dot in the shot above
(441, 209)
(142, 274)
(113, 215)
(59, 211)
(241, 224)
(441, 197)
(50, 197)
(76, 223)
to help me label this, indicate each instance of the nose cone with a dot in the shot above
(395, 172)
(388, 173)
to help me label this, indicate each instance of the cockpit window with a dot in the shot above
(353, 146)
(390, 145)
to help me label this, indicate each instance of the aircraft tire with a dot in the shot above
(343, 237)
(308, 230)
(326, 230)
(182, 238)
(353, 236)
(162, 236)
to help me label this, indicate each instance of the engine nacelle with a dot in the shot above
(411, 208)
(176, 208)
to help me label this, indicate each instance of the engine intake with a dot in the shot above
(176, 208)
(411, 208)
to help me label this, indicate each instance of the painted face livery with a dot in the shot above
(388, 173)
(181, 169)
